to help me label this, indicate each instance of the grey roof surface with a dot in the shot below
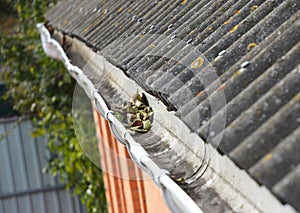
(262, 133)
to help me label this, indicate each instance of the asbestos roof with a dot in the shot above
(252, 45)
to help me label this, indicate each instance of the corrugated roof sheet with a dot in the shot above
(263, 99)
(23, 186)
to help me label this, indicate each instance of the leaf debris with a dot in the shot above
(139, 113)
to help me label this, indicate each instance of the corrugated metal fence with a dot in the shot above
(23, 186)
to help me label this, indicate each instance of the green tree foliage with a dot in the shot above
(42, 89)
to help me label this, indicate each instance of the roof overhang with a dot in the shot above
(213, 181)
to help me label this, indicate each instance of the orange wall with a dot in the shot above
(136, 193)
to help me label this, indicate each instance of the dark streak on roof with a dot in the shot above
(262, 133)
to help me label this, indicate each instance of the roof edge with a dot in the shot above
(176, 199)
(232, 184)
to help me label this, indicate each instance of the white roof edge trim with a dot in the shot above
(182, 201)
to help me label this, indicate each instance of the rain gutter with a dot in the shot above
(176, 199)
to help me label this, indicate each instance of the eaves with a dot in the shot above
(252, 46)
(213, 181)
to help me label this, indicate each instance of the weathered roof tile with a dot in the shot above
(172, 48)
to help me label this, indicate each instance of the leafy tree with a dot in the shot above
(42, 89)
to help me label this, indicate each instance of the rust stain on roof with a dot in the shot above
(197, 63)
(237, 12)
(234, 28)
(251, 46)
(120, 10)
(183, 2)
(222, 87)
(227, 21)
(253, 8)
(200, 93)
(268, 157)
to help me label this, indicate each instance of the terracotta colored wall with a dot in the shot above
(132, 194)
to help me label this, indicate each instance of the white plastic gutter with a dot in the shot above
(177, 200)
